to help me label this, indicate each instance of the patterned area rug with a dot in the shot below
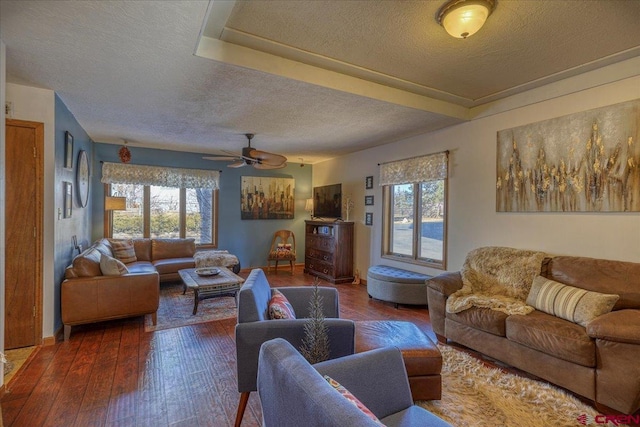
(175, 309)
(475, 395)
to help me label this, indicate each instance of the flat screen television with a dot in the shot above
(327, 201)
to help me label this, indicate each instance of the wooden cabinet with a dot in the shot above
(328, 248)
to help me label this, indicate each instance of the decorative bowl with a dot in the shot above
(207, 271)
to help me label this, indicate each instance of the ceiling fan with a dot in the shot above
(252, 157)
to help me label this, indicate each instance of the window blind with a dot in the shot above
(431, 167)
(120, 173)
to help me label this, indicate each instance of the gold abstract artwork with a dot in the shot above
(583, 162)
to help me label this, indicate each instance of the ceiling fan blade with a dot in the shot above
(219, 158)
(237, 164)
(268, 158)
(267, 166)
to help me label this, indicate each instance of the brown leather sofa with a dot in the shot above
(600, 362)
(87, 296)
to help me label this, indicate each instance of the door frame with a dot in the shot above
(39, 196)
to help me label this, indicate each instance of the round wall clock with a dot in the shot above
(82, 178)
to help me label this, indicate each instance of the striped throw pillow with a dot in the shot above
(123, 250)
(567, 302)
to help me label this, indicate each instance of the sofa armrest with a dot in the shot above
(438, 290)
(619, 326)
(446, 283)
(250, 336)
(90, 299)
(300, 297)
(384, 393)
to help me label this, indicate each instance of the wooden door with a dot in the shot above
(23, 234)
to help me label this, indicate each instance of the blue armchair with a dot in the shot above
(293, 393)
(254, 327)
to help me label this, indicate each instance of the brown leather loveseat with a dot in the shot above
(600, 361)
(88, 296)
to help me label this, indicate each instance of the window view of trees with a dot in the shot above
(163, 213)
(417, 231)
(130, 223)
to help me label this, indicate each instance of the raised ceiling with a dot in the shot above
(313, 79)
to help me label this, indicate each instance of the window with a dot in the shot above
(128, 224)
(414, 219)
(169, 213)
(162, 202)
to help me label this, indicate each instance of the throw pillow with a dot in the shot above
(351, 398)
(280, 307)
(124, 250)
(111, 266)
(567, 302)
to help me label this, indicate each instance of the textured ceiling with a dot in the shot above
(320, 78)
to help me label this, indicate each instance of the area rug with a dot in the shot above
(175, 309)
(476, 395)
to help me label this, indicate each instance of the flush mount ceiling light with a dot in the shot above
(463, 18)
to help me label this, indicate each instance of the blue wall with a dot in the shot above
(248, 239)
(80, 222)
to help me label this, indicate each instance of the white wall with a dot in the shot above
(472, 219)
(38, 105)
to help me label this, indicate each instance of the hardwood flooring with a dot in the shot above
(115, 374)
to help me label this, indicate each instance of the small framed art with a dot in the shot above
(368, 218)
(368, 183)
(368, 200)
(68, 199)
(68, 150)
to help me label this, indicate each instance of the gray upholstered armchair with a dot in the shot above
(293, 393)
(254, 327)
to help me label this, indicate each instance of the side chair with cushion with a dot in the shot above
(254, 327)
(283, 248)
(294, 393)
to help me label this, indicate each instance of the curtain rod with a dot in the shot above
(156, 166)
(414, 157)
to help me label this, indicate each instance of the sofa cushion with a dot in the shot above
(172, 248)
(280, 307)
(599, 275)
(172, 265)
(351, 398)
(87, 264)
(485, 319)
(567, 302)
(123, 250)
(143, 249)
(141, 267)
(110, 266)
(554, 336)
(104, 247)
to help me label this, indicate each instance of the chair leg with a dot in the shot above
(244, 398)
(292, 267)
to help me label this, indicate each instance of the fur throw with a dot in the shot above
(497, 278)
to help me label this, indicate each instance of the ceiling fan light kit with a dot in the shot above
(252, 157)
(464, 18)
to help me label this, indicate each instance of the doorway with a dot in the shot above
(23, 233)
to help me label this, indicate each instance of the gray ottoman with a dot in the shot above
(396, 285)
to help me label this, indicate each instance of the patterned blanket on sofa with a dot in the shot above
(498, 278)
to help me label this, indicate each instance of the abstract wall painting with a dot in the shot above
(583, 162)
(267, 198)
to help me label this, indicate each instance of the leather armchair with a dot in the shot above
(254, 327)
(293, 393)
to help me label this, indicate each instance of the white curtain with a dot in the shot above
(431, 167)
(120, 173)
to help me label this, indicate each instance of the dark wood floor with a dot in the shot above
(116, 374)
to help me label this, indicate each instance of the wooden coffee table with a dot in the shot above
(224, 283)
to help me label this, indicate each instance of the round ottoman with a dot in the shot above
(396, 285)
